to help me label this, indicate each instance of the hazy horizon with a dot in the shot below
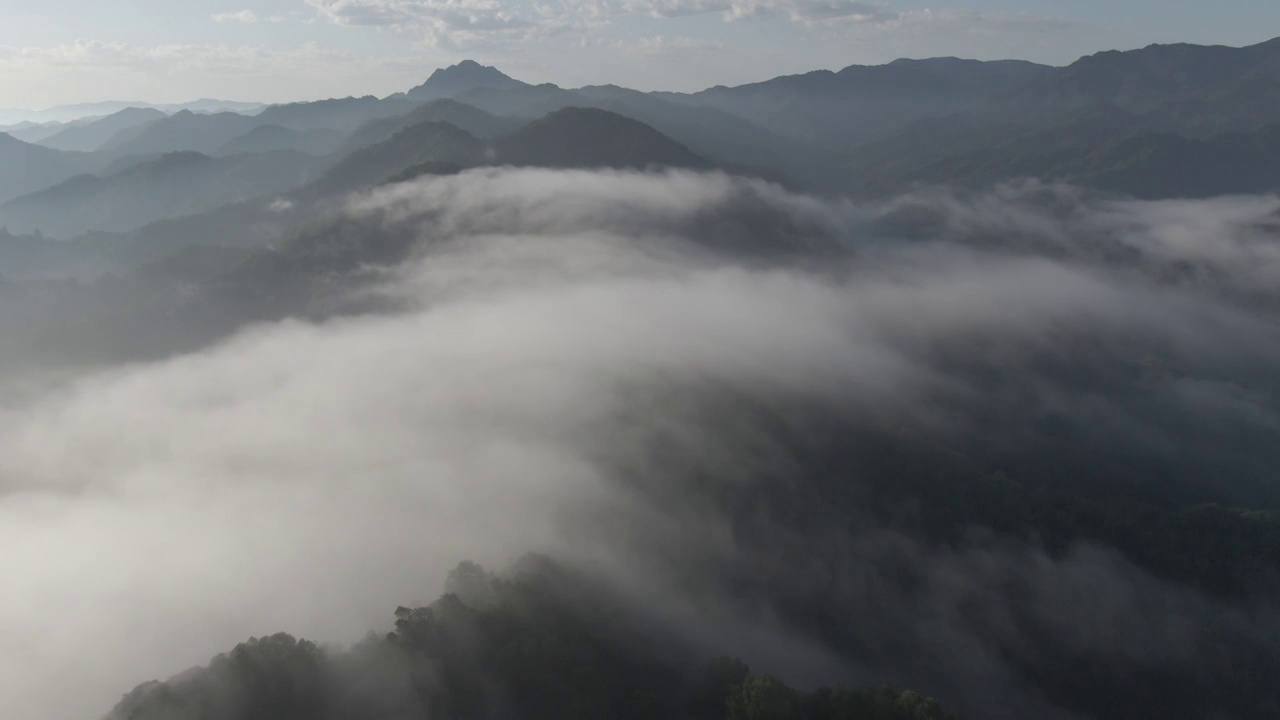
(275, 51)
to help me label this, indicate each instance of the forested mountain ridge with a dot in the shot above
(583, 137)
(1096, 152)
(1191, 89)
(533, 645)
(861, 104)
(271, 138)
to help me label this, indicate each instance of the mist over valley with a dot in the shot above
(931, 389)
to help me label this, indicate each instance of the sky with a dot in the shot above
(58, 52)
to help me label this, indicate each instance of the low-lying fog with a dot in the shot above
(553, 330)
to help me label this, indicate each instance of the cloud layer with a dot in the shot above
(572, 348)
(478, 24)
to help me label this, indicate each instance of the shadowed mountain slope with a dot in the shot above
(25, 167)
(587, 137)
(170, 186)
(455, 80)
(91, 136)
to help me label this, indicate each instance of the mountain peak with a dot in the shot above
(463, 77)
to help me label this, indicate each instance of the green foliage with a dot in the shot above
(717, 688)
(274, 677)
(763, 698)
(533, 646)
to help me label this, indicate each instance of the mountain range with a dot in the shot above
(1163, 121)
(62, 114)
(173, 184)
(92, 135)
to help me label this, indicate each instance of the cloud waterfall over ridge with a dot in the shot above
(587, 364)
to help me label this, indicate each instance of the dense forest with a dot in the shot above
(538, 644)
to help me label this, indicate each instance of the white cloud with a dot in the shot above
(478, 16)
(472, 23)
(824, 13)
(170, 59)
(446, 23)
(458, 14)
(309, 477)
(662, 45)
(806, 11)
(971, 20)
(247, 17)
(87, 70)
(97, 54)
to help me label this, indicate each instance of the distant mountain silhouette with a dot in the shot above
(1183, 88)
(727, 139)
(170, 186)
(37, 132)
(861, 103)
(93, 135)
(526, 101)
(184, 131)
(25, 167)
(271, 138)
(345, 114)
(1161, 121)
(455, 80)
(208, 134)
(572, 138)
(73, 113)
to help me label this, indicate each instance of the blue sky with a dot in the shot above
(64, 51)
